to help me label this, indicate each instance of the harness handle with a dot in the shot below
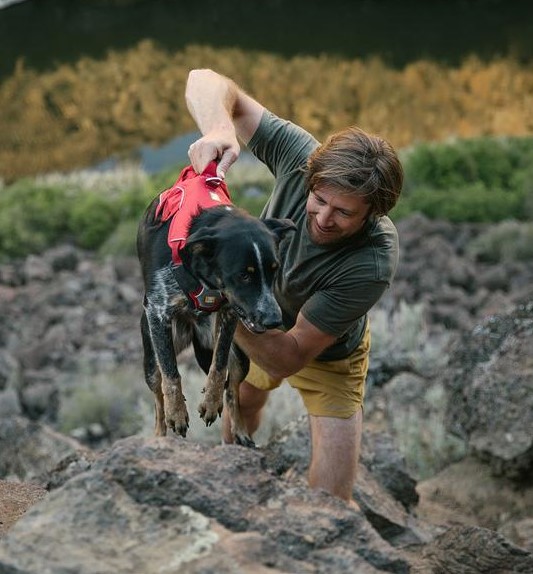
(211, 177)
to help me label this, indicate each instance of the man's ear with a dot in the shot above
(280, 227)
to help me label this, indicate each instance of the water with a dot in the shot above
(46, 33)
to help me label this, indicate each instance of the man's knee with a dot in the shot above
(251, 398)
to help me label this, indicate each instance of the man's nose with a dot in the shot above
(324, 215)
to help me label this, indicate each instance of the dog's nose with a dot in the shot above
(272, 323)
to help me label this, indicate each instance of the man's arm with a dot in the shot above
(224, 113)
(280, 353)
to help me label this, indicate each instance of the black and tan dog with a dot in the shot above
(196, 290)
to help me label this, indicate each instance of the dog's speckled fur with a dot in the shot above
(227, 250)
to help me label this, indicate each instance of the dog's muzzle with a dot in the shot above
(257, 325)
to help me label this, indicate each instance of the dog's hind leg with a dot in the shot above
(152, 376)
(211, 406)
(238, 369)
(169, 394)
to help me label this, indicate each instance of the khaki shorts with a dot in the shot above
(327, 388)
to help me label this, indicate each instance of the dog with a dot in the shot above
(202, 274)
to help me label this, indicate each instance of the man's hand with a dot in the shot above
(221, 146)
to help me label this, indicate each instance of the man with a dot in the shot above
(334, 268)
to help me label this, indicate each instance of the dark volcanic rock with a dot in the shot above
(490, 385)
(166, 505)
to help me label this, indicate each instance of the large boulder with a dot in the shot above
(490, 391)
(169, 505)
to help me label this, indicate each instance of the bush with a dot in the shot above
(491, 161)
(110, 399)
(479, 180)
(32, 218)
(122, 240)
(507, 241)
(473, 203)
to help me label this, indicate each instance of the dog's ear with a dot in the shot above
(280, 227)
(199, 246)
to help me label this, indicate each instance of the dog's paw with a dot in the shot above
(209, 412)
(178, 423)
(244, 440)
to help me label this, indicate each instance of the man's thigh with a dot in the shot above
(335, 388)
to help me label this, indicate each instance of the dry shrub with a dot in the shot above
(82, 113)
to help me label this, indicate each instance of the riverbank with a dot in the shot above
(81, 114)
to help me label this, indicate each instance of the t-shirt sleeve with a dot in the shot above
(281, 145)
(335, 311)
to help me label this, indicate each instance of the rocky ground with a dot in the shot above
(111, 494)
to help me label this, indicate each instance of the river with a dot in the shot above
(46, 33)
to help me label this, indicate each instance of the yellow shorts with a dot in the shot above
(327, 388)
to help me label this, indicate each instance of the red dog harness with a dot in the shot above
(181, 202)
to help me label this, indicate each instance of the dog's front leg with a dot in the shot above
(211, 406)
(238, 369)
(175, 411)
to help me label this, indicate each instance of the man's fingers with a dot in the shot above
(226, 161)
(201, 153)
(200, 156)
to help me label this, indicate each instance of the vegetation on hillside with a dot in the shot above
(485, 180)
(79, 114)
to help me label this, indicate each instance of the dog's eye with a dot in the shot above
(275, 266)
(245, 277)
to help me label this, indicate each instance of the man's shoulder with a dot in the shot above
(383, 231)
(281, 144)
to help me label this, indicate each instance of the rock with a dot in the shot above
(467, 492)
(520, 531)
(383, 494)
(473, 550)
(411, 409)
(157, 505)
(63, 258)
(491, 371)
(167, 505)
(16, 498)
(29, 449)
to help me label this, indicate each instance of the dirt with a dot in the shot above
(15, 499)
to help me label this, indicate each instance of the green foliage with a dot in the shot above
(474, 203)
(109, 399)
(32, 218)
(478, 180)
(122, 240)
(92, 219)
(507, 241)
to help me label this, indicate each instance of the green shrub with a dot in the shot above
(507, 241)
(92, 219)
(495, 162)
(32, 218)
(122, 240)
(111, 399)
(480, 180)
(474, 203)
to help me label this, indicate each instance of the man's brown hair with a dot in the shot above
(360, 163)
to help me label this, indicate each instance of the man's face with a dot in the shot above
(333, 216)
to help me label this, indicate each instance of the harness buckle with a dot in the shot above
(209, 300)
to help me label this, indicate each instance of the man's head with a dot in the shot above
(352, 176)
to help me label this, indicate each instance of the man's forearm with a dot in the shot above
(276, 352)
(211, 100)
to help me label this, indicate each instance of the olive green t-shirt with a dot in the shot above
(332, 286)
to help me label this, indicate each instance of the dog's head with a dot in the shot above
(238, 254)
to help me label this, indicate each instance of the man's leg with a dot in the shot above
(336, 444)
(251, 402)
